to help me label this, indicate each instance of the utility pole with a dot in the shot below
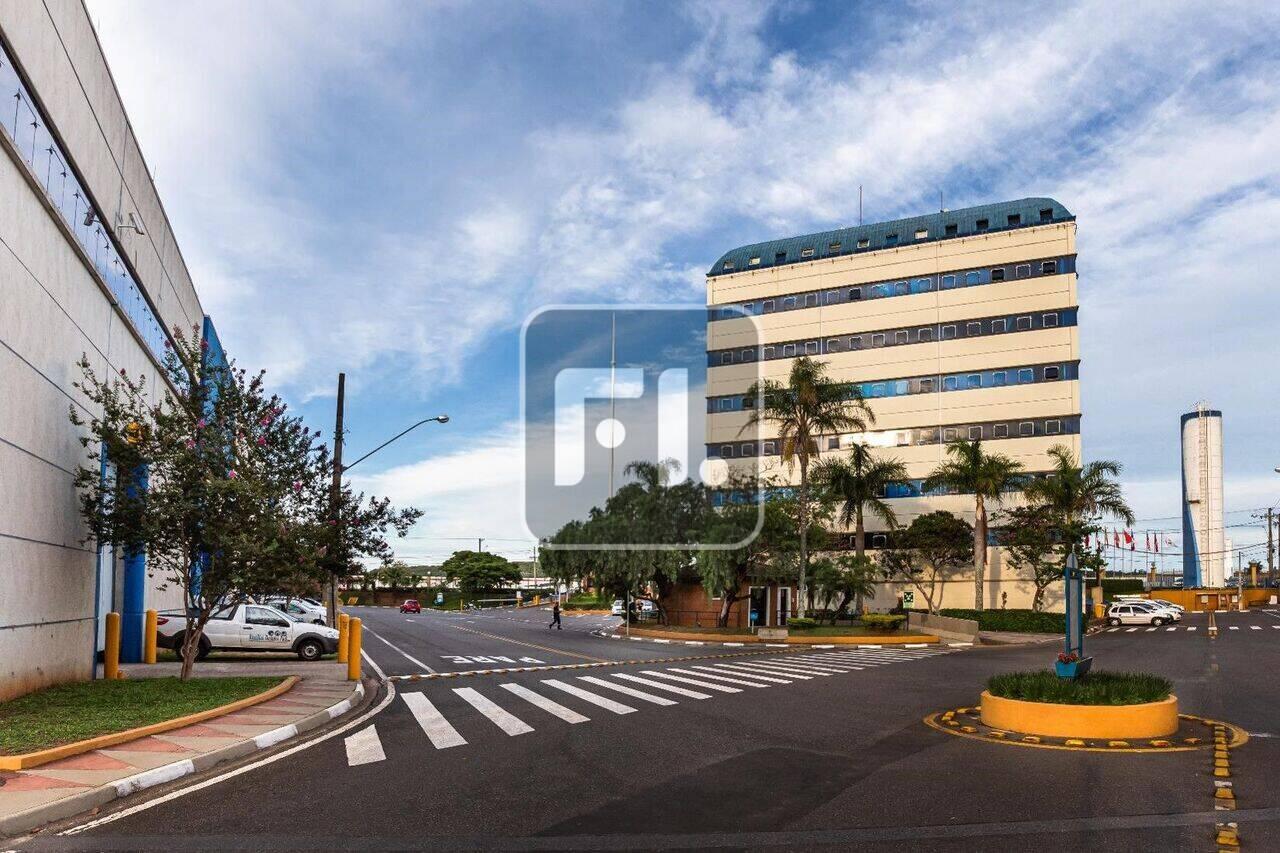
(335, 501)
(1271, 548)
(479, 544)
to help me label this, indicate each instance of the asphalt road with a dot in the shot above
(838, 758)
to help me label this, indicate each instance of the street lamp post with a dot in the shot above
(335, 488)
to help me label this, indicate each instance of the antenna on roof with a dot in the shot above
(941, 207)
(859, 204)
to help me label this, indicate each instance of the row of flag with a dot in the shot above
(1126, 539)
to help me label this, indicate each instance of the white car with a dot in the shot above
(300, 609)
(1138, 613)
(249, 627)
(619, 607)
(1157, 606)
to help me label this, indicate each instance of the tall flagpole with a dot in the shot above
(613, 365)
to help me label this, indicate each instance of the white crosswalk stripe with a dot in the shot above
(791, 669)
(439, 732)
(588, 696)
(743, 674)
(750, 668)
(739, 681)
(553, 708)
(829, 668)
(364, 747)
(679, 691)
(505, 720)
(629, 691)
(703, 683)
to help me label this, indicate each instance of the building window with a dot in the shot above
(877, 390)
(879, 540)
(855, 342)
(864, 243)
(948, 282)
(748, 355)
(811, 347)
(950, 434)
(890, 239)
(726, 358)
(788, 350)
(975, 433)
(833, 345)
(726, 405)
(997, 274)
(1026, 374)
(766, 307)
(948, 332)
(972, 329)
(973, 277)
(833, 443)
(923, 335)
(855, 293)
(834, 248)
(921, 285)
(779, 257)
(1048, 267)
(901, 288)
(877, 340)
(769, 448)
(1046, 214)
(1052, 427)
(1024, 323)
(997, 378)
(806, 252)
(1000, 431)
(833, 296)
(975, 380)
(900, 337)
(728, 265)
(1051, 373)
(927, 436)
(726, 451)
(952, 229)
(810, 300)
(769, 352)
(749, 308)
(748, 450)
(788, 303)
(1015, 219)
(982, 225)
(754, 262)
(926, 385)
(1049, 320)
(922, 233)
(1026, 428)
(950, 383)
(1022, 270)
(998, 326)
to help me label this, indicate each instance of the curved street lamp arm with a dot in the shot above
(444, 419)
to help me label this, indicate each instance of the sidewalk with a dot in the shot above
(1014, 638)
(68, 786)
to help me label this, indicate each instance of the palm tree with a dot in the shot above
(858, 483)
(1080, 495)
(987, 476)
(809, 406)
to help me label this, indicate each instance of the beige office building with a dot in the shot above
(953, 324)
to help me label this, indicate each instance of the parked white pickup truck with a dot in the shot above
(250, 628)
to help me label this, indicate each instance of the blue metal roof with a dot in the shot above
(983, 219)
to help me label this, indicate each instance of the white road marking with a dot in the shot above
(364, 747)
(503, 719)
(753, 671)
(790, 669)
(1149, 630)
(1192, 628)
(1233, 627)
(958, 645)
(1256, 627)
(1130, 630)
(741, 681)
(439, 732)
(553, 708)
(1170, 629)
(829, 668)
(706, 685)
(767, 678)
(1112, 630)
(915, 645)
(628, 691)
(733, 644)
(586, 696)
(658, 685)
(410, 657)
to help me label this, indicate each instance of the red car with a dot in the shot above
(411, 605)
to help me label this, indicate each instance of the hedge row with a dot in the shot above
(1022, 621)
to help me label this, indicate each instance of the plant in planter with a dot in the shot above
(1071, 665)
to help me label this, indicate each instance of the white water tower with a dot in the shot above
(1204, 547)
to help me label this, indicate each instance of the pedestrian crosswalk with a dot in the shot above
(515, 709)
(1187, 628)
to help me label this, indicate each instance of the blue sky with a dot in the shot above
(389, 189)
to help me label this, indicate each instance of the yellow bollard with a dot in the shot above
(353, 650)
(111, 655)
(1099, 610)
(344, 636)
(149, 638)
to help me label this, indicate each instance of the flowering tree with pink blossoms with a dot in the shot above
(216, 483)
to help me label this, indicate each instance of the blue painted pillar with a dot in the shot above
(134, 608)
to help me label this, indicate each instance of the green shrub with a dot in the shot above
(883, 621)
(1112, 587)
(801, 623)
(1022, 621)
(1095, 688)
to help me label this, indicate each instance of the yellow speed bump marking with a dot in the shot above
(969, 726)
(1075, 742)
(1118, 744)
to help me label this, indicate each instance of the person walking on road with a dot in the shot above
(555, 617)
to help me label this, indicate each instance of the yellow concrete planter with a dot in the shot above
(1098, 722)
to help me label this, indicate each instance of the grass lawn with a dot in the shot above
(1096, 688)
(72, 712)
